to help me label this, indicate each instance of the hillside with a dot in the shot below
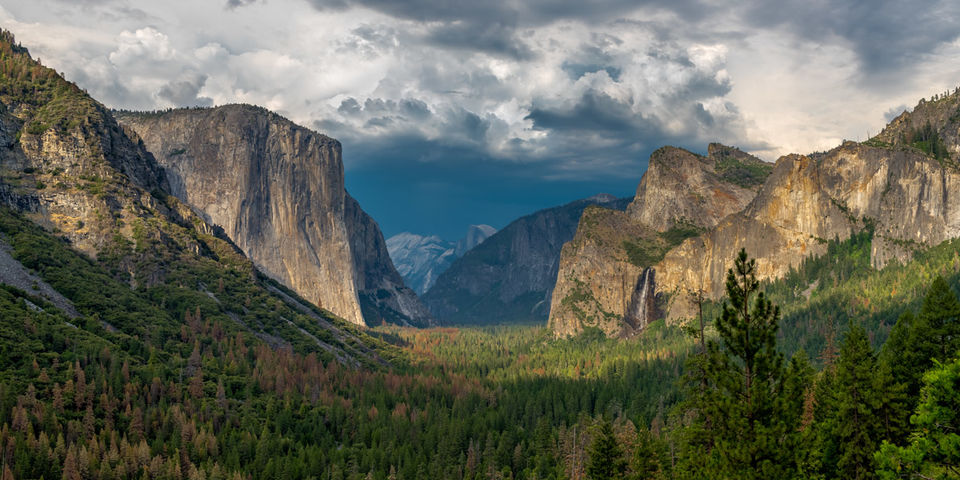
(71, 169)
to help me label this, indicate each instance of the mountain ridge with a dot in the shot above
(513, 271)
(897, 184)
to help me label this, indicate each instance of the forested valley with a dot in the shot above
(175, 390)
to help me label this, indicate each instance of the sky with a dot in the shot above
(464, 112)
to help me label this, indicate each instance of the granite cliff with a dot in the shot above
(605, 279)
(900, 185)
(277, 191)
(84, 205)
(906, 196)
(510, 276)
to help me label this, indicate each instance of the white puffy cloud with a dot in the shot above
(579, 91)
(145, 45)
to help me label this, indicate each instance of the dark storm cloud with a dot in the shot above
(403, 121)
(523, 14)
(595, 112)
(594, 57)
(406, 108)
(231, 4)
(496, 26)
(494, 38)
(702, 85)
(578, 70)
(185, 92)
(885, 34)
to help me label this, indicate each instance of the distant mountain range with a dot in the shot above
(509, 277)
(421, 259)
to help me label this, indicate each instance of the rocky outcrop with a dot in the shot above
(66, 162)
(605, 279)
(510, 276)
(597, 279)
(686, 188)
(908, 197)
(941, 113)
(277, 191)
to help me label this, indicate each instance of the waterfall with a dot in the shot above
(643, 306)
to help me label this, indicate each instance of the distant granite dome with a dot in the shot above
(421, 259)
(476, 234)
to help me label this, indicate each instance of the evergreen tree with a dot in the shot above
(936, 334)
(916, 341)
(894, 407)
(856, 426)
(646, 456)
(605, 461)
(900, 363)
(934, 450)
(745, 408)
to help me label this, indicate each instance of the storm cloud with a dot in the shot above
(560, 98)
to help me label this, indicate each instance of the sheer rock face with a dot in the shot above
(604, 278)
(596, 280)
(910, 198)
(383, 295)
(277, 191)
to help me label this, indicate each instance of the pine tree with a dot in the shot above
(894, 407)
(605, 460)
(856, 424)
(934, 450)
(936, 334)
(898, 355)
(646, 456)
(753, 425)
(916, 341)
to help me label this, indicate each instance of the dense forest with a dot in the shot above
(158, 384)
